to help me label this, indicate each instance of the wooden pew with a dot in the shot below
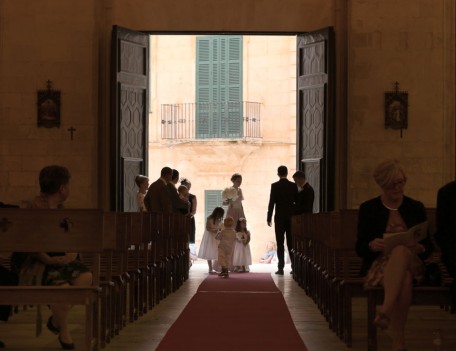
(328, 269)
(421, 295)
(113, 275)
(327, 266)
(57, 231)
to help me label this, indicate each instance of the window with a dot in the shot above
(212, 199)
(219, 87)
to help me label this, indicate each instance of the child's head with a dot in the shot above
(142, 182)
(228, 222)
(182, 190)
(217, 213)
(241, 225)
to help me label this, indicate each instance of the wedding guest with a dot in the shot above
(235, 209)
(7, 278)
(142, 182)
(305, 197)
(183, 193)
(242, 257)
(398, 269)
(193, 205)
(209, 244)
(446, 230)
(178, 205)
(157, 198)
(282, 195)
(60, 268)
(271, 251)
(227, 237)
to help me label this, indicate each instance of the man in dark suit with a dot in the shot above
(157, 198)
(176, 202)
(305, 197)
(282, 198)
(445, 235)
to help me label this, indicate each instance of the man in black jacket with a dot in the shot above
(305, 197)
(282, 198)
(445, 235)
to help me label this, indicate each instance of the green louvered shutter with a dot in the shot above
(231, 86)
(212, 199)
(219, 87)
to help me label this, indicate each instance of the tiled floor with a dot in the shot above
(146, 333)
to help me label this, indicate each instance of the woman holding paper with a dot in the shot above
(398, 268)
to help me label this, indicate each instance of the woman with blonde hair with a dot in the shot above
(398, 269)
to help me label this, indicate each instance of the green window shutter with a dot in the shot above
(212, 199)
(219, 87)
(203, 87)
(232, 85)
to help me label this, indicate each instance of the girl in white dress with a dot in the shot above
(209, 244)
(235, 209)
(242, 257)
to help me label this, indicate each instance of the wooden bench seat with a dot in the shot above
(438, 296)
(327, 267)
(56, 231)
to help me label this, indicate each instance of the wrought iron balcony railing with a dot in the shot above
(228, 119)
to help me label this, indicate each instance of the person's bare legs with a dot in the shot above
(209, 263)
(60, 311)
(397, 282)
(400, 313)
(60, 320)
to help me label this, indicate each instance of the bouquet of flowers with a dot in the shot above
(241, 237)
(229, 195)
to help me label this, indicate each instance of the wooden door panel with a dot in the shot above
(315, 114)
(129, 110)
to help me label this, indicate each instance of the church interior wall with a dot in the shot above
(68, 43)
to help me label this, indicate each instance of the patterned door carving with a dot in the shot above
(130, 55)
(315, 114)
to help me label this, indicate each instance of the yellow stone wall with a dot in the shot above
(377, 42)
(269, 71)
(411, 43)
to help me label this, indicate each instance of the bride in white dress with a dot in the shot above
(235, 209)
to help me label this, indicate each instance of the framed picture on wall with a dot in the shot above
(48, 107)
(396, 109)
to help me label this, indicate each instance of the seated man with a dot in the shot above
(446, 229)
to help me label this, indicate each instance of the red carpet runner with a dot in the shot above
(245, 312)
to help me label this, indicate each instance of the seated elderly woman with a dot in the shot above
(398, 269)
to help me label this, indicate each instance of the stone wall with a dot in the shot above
(410, 41)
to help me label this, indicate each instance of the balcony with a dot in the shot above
(212, 120)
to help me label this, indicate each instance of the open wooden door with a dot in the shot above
(129, 115)
(315, 114)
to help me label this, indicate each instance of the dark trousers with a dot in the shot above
(6, 278)
(283, 230)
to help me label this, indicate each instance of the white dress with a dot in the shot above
(209, 244)
(241, 254)
(235, 210)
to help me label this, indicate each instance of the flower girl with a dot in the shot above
(209, 244)
(242, 257)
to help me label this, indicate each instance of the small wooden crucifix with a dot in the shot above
(71, 130)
